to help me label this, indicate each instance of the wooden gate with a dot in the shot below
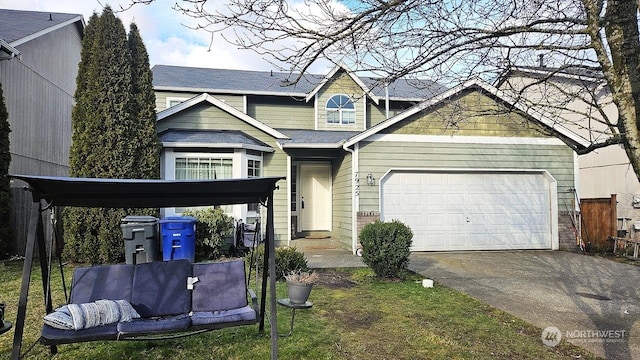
(599, 222)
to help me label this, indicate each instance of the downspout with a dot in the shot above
(386, 100)
(289, 237)
(355, 196)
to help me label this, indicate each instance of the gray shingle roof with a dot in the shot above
(265, 82)
(331, 139)
(210, 137)
(19, 24)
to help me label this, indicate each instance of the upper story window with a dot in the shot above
(341, 110)
(173, 101)
(253, 170)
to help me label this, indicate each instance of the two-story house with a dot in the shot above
(452, 164)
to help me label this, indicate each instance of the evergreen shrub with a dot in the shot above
(386, 247)
(212, 226)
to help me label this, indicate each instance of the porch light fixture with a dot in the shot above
(370, 180)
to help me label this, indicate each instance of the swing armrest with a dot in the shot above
(254, 300)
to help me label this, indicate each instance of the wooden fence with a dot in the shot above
(21, 203)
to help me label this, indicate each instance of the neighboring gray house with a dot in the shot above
(603, 172)
(39, 56)
(451, 164)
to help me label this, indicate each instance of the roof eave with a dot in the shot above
(228, 91)
(170, 144)
(9, 50)
(36, 35)
(311, 146)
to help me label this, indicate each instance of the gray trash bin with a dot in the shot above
(141, 241)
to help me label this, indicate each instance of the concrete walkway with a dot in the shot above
(324, 253)
(593, 302)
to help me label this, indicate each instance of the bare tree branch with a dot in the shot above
(590, 47)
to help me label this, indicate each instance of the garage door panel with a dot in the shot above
(455, 221)
(436, 240)
(470, 211)
(453, 199)
(476, 200)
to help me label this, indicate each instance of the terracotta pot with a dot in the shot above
(298, 293)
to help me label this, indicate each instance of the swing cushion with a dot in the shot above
(221, 286)
(52, 336)
(155, 325)
(246, 313)
(160, 288)
(111, 282)
(160, 292)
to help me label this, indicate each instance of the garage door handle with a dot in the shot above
(468, 220)
(302, 203)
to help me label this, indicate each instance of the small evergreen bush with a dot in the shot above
(386, 247)
(288, 259)
(212, 226)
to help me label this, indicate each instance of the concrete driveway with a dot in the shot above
(593, 302)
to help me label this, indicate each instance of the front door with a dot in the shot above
(315, 197)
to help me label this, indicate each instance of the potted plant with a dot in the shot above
(299, 284)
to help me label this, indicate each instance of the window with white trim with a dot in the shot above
(254, 169)
(173, 101)
(340, 110)
(203, 168)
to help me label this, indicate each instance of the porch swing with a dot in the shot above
(192, 303)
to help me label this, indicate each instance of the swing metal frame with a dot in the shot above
(50, 191)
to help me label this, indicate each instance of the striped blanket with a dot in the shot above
(88, 315)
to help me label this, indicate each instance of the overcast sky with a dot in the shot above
(167, 40)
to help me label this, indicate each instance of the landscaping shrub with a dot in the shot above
(212, 226)
(288, 259)
(386, 247)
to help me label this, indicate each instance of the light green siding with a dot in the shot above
(237, 101)
(471, 114)
(282, 112)
(378, 113)
(342, 200)
(378, 157)
(205, 116)
(343, 84)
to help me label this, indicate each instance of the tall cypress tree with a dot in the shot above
(110, 138)
(147, 159)
(6, 235)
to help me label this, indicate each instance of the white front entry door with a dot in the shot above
(315, 197)
(470, 211)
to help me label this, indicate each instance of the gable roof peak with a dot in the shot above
(482, 86)
(206, 98)
(341, 66)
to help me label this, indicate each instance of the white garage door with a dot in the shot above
(470, 211)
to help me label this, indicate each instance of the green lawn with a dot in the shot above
(354, 317)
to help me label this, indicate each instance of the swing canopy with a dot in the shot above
(131, 193)
(50, 191)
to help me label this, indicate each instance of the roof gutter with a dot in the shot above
(177, 145)
(8, 52)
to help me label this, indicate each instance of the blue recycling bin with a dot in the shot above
(178, 238)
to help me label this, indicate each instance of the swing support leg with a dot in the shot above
(35, 233)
